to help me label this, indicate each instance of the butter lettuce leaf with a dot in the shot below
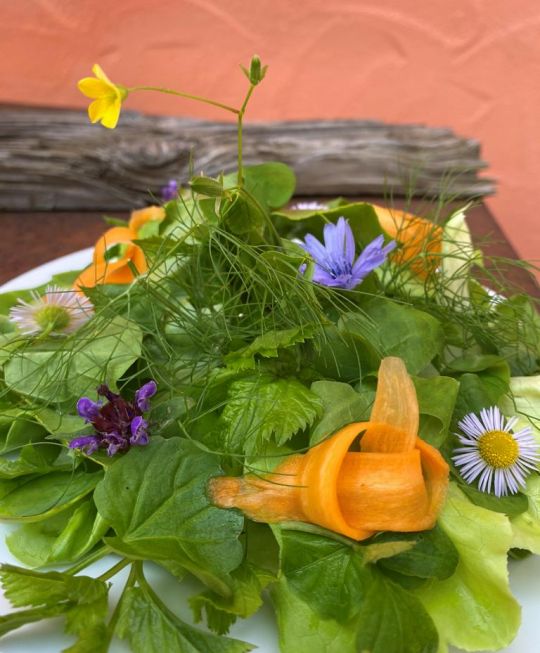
(474, 608)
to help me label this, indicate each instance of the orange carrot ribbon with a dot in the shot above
(396, 482)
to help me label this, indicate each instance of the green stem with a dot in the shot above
(85, 562)
(189, 96)
(240, 120)
(115, 569)
(111, 626)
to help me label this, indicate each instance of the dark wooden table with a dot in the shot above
(30, 239)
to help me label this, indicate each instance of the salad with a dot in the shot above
(332, 405)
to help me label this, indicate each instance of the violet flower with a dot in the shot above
(169, 191)
(118, 424)
(335, 263)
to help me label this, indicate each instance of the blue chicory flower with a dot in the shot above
(118, 424)
(335, 263)
(169, 191)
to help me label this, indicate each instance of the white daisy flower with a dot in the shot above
(500, 459)
(56, 312)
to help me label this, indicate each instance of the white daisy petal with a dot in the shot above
(490, 454)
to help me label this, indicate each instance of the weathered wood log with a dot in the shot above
(54, 159)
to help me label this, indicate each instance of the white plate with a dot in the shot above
(46, 637)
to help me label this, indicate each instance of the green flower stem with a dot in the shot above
(197, 98)
(91, 558)
(240, 119)
(111, 626)
(115, 569)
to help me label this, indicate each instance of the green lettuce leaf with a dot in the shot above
(526, 527)
(474, 608)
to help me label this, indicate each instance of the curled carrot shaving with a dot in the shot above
(421, 239)
(114, 271)
(142, 216)
(396, 482)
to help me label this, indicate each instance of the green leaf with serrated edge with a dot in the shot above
(433, 555)
(526, 527)
(65, 537)
(302, 630)
(329, 575)
(267, 346)
(80, 599)
(33, 499)
(271, 183)
(393, 620)
(262, 407)
(58, 371)
(172, 519)
(150, 627)
(418, 339)
(247, 585)
(341, 405)
(436, 400)
(474, 608)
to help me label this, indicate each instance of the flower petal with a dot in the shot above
(98, 72)
(94, 88)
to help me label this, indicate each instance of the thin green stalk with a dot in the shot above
(86, 562)
(115, 569)
(240, 120)
(189, 96)
(111, 626)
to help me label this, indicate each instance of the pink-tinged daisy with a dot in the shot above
(56, 312)
(500, 459)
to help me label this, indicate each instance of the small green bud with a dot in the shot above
(256, 72)
(207, 186)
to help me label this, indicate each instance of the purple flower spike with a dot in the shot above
(118, 423)
(139, 435)
(170, 191)
(89, 444)
(87, 409)
(335, 264)
(143, 395)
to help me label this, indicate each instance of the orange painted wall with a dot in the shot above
(473, 65)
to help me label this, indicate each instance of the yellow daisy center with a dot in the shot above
(498, 448)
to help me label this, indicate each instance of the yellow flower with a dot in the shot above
(107, 97)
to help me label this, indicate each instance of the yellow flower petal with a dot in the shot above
(98, 72)
(94, 88)
(111, 115)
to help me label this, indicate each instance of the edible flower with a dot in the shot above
(335, 263)
(119, 424)
(420, 240)
(170, 190)
(116, 259)
(107, 96)
(56, 312)
(500, 459)
(396, 482)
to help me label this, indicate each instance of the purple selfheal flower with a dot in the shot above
(118, 423)
(170, 191)
(139, 433)
(335, 263)
(143, 395)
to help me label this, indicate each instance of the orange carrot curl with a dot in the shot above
(421, 240)
(396, 482)
(119, 270)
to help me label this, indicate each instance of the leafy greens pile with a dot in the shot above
(253, 362)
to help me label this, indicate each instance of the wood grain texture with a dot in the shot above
(53, 159)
